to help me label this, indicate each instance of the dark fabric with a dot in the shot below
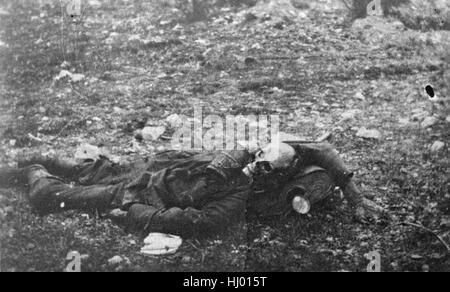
(315, 185)
(185, 192)
(214, 216)
(174, 193)
(325, 156)
(51, 195)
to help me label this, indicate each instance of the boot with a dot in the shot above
(62, 167)
(42, 189)
(11, 176)
(36, 172)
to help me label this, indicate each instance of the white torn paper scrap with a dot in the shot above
(161, 244)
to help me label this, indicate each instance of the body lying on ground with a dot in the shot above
(191, 193)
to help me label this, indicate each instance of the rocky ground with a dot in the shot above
(124, 66)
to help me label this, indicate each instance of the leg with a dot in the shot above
(101, 171)
(49, 194)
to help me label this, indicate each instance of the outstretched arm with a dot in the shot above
(212, 218)
(325, 156)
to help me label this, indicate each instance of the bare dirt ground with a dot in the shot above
(140, 64)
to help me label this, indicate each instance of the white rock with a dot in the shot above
(368, 134)
(403, 121)
(115, 260)
(63, 74)
(95, 3)
(119, 110)
(134, 38)
(348, 115)
(87, 151)
(74, 77)
(84, 257)
(175, 121)
(429, 122)
(77, 77)
(360, 96)
(3, 12)
(153, 133)
(437, 146)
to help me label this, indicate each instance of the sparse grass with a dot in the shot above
(315, 85)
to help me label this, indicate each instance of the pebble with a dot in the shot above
(368, 134)
(186, 259)
(115, 260)
(437, 146)
(429, 122)
(30, 246)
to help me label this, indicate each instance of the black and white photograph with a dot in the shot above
(224, 136)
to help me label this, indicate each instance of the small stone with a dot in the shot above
(437, 146)
(426, 268)
(115, 260)
(350, 251)
(348, 116)
(119, 268)
(394, 265)
(2, 214)
(84, 257)
(445, 222)
(186, 259)
(447, 119)
(153, 133)
(118, 110)
(403, 121)
(363, 244)
(8, 210)
(360, 96)
(429, 122)
(30, 246)
(416, 257)
(175, 121)
(368, 134)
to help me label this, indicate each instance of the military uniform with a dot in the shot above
(189, 193)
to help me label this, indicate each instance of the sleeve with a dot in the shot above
(212, 218)
(326, 156)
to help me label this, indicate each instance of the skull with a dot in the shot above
(275, 156)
